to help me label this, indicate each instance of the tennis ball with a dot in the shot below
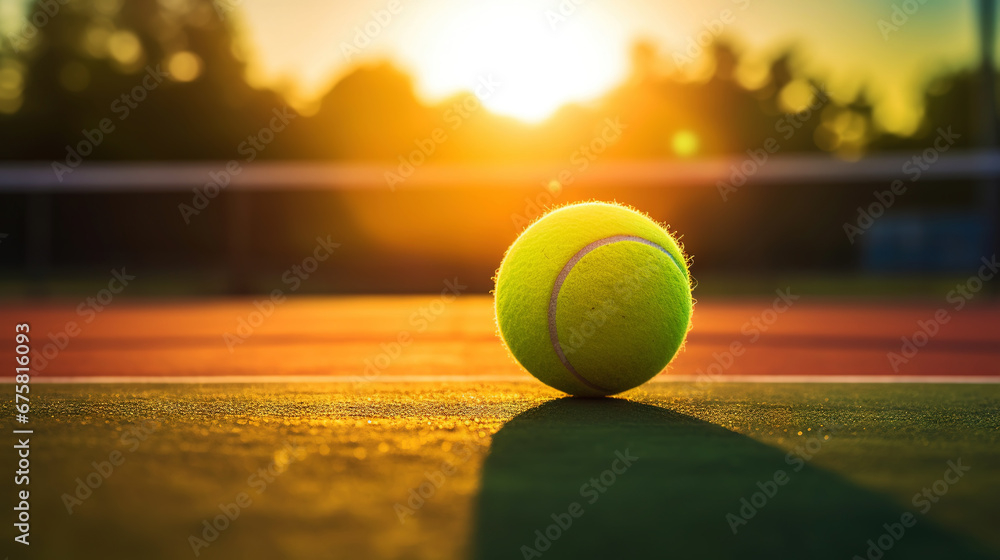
(593, 299)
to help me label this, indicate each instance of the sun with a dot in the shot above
(541, 59)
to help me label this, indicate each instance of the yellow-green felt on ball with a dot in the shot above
(593, 298)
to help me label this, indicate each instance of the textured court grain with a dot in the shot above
(351, 453)
(354, 452)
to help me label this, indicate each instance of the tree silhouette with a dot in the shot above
(76, 75)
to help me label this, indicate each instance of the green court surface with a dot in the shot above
(448, 470)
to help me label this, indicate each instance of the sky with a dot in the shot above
(545, 53)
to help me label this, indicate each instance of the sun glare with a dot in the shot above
(540, 61)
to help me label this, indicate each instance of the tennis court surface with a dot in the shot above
(319, 435)
(248, 252)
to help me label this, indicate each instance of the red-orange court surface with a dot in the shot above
(252, 254)
(398, 427)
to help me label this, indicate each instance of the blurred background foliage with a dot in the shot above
(87, 64)
(67, 75)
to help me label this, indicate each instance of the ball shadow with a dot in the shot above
(672, 500)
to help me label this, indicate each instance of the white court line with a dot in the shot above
(927, 379)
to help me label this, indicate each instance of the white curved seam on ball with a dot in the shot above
(561, 278)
